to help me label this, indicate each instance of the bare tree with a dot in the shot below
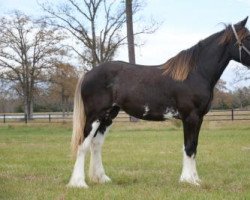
(96, 26)
(27, 49)
(242, 97)
(241, 74)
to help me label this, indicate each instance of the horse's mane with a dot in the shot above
(228, 34)
(179, 66)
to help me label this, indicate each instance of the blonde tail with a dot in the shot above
(79, 119)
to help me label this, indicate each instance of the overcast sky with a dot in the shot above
(184, 23)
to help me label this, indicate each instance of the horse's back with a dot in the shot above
(107, 73)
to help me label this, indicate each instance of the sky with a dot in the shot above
(183, 24)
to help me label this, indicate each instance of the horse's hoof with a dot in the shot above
(77, 184)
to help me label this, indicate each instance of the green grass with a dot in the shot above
(144, 161)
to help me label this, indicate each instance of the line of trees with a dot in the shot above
(225, 99)
(41, 58)
(58, 95)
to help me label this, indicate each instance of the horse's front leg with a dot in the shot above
(191, 125)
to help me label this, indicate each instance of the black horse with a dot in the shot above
(181, 88)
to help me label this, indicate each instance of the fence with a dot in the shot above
(213, 115)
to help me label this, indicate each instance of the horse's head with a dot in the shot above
(240, 43)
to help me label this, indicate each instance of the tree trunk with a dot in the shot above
(31, 109)
(130, 38)
(67, 104)
(63, 102)
(93, 51)
(130, 32)
(28, 107)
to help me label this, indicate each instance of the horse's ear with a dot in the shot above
(242, 23)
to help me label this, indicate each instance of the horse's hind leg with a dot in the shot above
(96, 169)
(78, 176)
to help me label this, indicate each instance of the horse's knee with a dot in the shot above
(191, 132)
(191, 148)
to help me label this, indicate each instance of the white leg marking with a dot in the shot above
(189, 173)
(78, 176)
(96, 170)
(146, 110)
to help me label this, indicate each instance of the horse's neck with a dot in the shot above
(214, 59)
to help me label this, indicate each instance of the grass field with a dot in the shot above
(144, 161)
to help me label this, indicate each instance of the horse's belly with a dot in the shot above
(152, 114)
